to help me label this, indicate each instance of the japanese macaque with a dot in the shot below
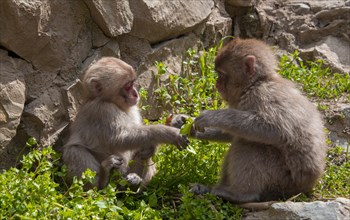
(277, 140)
(108, 131)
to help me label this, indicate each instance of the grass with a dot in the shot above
(317, 80)
(37, 189)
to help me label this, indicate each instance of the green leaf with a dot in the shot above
(152, 200)
(101, 204)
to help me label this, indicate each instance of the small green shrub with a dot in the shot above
(192, 90)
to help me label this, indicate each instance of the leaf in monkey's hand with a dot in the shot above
(187, 127)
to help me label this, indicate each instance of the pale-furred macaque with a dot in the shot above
(277, 139)
(108, 131)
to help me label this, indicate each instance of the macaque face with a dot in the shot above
(112, 80)
(130, 93)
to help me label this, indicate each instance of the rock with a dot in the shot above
(157, 21)
(300, 8)
(338, 124)
(134, 49)
(337, 209)
(241, 3)
(46, 116)
(46, 33)
(114, 17)
(73, 98)
(334, 51)
(98, 37)
(12, 96)
(171, 54)
(332, 14)
(218, 26)
(295, 25)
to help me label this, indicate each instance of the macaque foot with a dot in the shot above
(134, 179)
(112, 161)
(199, 189)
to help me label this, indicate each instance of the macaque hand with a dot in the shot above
(204, 120)
(178, 120)
(181, 142)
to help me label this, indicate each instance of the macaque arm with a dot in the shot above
(244, 124)
(149, 135)
(212, 134)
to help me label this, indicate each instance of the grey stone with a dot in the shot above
(12, 96)
(46, 33)
(338, 209)
(114, 17)
(334, 51)
(241, 3)
(156, 20)
(300, 8)
(46, 116)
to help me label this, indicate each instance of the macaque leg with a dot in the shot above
(227, 194)
(143, 168)
(223, 192)
(78, 159)
(107, 165)
(240, 200)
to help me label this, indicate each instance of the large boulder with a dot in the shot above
(12, 95)
(114, 17)
(49, 34)
(156, 20)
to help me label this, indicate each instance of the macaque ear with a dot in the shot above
(96, 87)
(249, 62)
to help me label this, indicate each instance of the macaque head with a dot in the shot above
(111, 80)
(240, 63)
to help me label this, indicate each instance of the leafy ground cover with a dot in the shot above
(36, 189)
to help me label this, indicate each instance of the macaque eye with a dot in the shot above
(129, 85)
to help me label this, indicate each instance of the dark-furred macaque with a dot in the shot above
(277, 140)
(108, 131)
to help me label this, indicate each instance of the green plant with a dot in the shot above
(317, 80)
(193, 90)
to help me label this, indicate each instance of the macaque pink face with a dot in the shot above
(131, 94)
